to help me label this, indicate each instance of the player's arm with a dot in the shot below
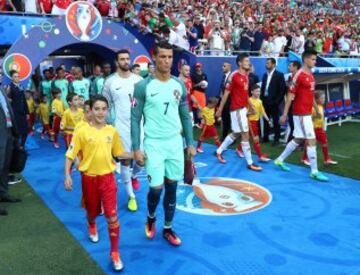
(289, 98)
(317, 111)
(118, 149)
(71, 154)
(186, 123)
(222, 103)
(136, 116)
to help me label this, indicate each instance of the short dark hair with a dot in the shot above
(46, 70)
(308, 53)
(162, 45)
(135, 66)
(70, 97)
(87, 103)
(96, 98)
(122, 51)
(55, 91)
(105, 64)
(272, 60)
(296, 64)
(81, 96)
(213, 100)
(12, 72)
(241, 57)
(58, 69)
(254, 87)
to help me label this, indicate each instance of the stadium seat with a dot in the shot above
(348, 107)
(339, 108)
(330, 111)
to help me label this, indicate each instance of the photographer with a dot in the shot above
(246, 38)
(217, 39)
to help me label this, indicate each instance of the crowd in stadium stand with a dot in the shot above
(219, 27)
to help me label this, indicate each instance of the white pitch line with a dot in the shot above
(340, 156)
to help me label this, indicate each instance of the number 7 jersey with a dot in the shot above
(161, 102)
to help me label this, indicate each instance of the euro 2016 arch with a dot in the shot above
(81, 24)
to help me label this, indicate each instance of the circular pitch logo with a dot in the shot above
(83, 21)
(222, 197)
(19, 63)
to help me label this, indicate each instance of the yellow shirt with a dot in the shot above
(70, 119)
(208, 115)
(258, 108)
(58, 107)
(318, 122)
(43, 111)
(31, 105)
(98, 147)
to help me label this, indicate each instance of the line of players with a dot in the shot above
(95, 143)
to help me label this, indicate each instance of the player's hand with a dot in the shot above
(218, 113)
(139, 157)
(68, 183)
(191, 151)
(271, 124)
(282, 120)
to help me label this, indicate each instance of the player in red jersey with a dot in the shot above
(302, 94)
(238, 88)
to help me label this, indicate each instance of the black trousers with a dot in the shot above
(272, 110)
(226, 120)
(6, 149)
(291, 124)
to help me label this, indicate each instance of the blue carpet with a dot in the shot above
(303, 227)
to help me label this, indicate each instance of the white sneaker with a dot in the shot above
(117, 263)
(14, 180)
(93, 235)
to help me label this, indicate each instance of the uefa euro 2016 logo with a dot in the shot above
(83, 21)
(222, 197)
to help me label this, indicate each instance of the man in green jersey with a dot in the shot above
(61, 83)
(45, 85)
(98, 82)
(162, 100)
(81, 85)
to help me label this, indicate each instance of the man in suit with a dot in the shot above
(225, 116)
(8, 135)
(273, 89)
(19, 106)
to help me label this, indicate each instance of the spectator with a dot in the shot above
(273, 89)
(259, 37)
(217, 40)
(235, 35)
(16, 5)
(199, 27)
(8, 135)
(319, 42)
(103, 6)
(268, 47)
(279, 43)
(45, 6)
(60, 6)
(192, 35)
(17, 99)
(298, 42)
(246, 38)
(310, 43)
(289, 39)
(180, 30)
(30, 6)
